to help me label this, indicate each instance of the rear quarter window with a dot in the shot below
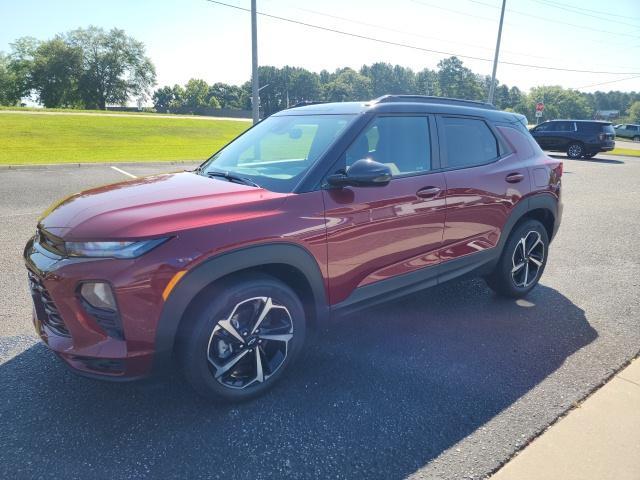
(518, 140)
(468, 142)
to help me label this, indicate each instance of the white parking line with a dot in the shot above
(123, 172)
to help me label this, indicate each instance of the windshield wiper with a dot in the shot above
(233, 178)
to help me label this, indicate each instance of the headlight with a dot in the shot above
(112, 249)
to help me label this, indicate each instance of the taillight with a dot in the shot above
(558, 170)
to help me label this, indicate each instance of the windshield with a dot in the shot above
(278, 151)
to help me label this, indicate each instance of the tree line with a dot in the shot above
(84, 68)
(92, 68)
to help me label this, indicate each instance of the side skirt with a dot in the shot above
(386, 290)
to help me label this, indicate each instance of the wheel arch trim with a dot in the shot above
(219, 266)
(540, 201)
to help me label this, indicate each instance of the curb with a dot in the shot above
(46, 166)
(576, 404)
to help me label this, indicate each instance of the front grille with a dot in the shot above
(46, 310)
(102, 365)
(107, 319)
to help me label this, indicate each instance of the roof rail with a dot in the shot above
(304, 103)
(431, 99)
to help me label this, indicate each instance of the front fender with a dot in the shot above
(194, 281)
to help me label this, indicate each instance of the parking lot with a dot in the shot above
(447, 383)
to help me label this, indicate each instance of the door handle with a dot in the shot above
(514, 177)
(428, 192)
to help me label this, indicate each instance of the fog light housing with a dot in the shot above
(98, 295)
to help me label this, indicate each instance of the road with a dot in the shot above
(447, 383)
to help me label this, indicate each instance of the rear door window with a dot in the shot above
(468, 142)
(564, 127)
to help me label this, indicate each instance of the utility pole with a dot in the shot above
(255, 87)
(492, 87)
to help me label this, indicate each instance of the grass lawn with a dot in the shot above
(30, 139)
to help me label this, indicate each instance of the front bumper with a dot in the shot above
(77, 336)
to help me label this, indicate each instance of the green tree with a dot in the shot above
(558, 103)
(55, 70)
(9, 90)
(229, 96)
(303, 85)
(634, 112)
(383, 80)
(427, 83)
(178, 98)
(348, 85)
(19, 65)
(162, 99)
(114, 67)
(457, 81)
(196, 94)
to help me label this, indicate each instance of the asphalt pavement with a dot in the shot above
(448, 383)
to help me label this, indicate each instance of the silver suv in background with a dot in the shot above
(628, 130)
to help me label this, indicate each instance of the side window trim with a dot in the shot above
(503, 149)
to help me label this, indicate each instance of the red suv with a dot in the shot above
(314, 212)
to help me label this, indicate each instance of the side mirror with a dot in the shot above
(363, 173)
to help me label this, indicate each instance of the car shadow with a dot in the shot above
(377, 395)
(593, 159)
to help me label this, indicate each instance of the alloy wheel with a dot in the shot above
(574, 151)
(527, 259)
(251, 343)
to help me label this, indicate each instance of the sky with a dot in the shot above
(199, 39)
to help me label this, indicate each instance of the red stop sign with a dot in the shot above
(539, 107)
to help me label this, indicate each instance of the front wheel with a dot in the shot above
(522, 261)
(575, 151)
(242, 339)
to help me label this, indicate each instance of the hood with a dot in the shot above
(156, 206)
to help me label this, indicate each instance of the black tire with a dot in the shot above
(636, 138)
(575, 150)
(204, 352)
(505, 280)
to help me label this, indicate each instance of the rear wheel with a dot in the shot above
(241, 341)
(575, 150)
(522, 261)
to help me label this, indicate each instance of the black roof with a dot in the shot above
(604, 122)
(403, 104)
(432, 100)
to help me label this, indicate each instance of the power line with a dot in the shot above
(600, 12)
(606, 83)
(415, 47)
(545, 19)
(414, 34)
(466, 14)
(576, 10)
